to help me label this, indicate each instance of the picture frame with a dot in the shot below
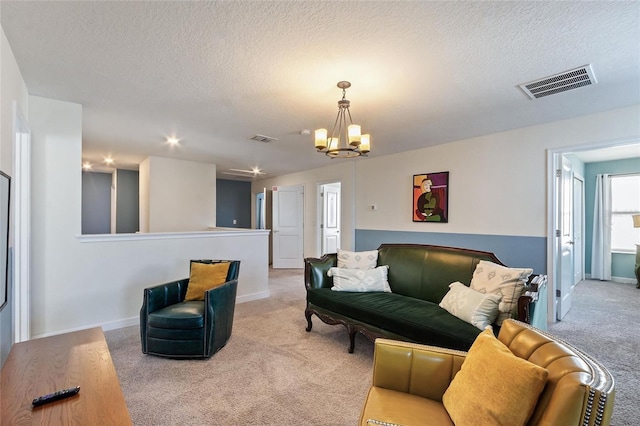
(431, 197)
(5, 199)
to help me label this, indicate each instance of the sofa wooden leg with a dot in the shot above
(352, 339)
(307, 315)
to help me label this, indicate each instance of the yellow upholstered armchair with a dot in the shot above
(410, 380)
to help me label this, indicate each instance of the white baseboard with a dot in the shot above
(111, 325)
(623, 280)
(128, 322)
(253, 296)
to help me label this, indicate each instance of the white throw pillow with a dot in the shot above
(491, 278)
(357, 259)
(360, 280)
(476, 308)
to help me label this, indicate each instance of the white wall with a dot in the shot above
(181, 195)
(143, 196)
(12, 88)
(497, 183)
(337, 172)
(83, 281)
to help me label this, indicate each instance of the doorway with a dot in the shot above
(574, 271)
(329, 217)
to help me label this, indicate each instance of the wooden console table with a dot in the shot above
(45, 365)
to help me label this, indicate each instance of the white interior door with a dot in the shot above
(330, 225)
(288, 226)
(566, 249)
(578, 226)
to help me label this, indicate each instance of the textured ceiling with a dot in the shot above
(217, 73)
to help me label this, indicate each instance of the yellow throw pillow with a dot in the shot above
(493, 386)
(204, 277)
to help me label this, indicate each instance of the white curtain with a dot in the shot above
(601, 248)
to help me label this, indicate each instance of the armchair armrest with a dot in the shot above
(532, 290)
(220, 303)
(315, 271)
(420, 370)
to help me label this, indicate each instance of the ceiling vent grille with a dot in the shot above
(568, 80)
(263, 138)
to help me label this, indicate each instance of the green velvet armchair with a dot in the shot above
(173, 328)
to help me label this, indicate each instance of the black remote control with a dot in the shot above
(65, 393)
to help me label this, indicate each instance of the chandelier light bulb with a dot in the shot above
(365, 143)
(354, 135)
(333, 143)
(321, 139)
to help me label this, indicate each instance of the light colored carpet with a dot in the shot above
(604, 321)
(272, 372)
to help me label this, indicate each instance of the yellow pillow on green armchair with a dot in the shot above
(493, 386)
(205, 276)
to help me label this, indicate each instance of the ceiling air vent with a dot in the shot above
(263, 138)
(568, 80)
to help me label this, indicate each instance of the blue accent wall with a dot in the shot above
(96, 203)
(128, 202)
(622, 264)
(233, 201)
(514, 251)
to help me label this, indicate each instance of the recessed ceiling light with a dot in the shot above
(172, 140)
(108, 160)
(86, 165)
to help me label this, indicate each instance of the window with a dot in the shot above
(625, 202)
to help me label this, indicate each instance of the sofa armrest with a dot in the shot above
(420, 370)
(532, 291)
(315, 271)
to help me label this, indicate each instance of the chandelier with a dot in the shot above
(346, 140)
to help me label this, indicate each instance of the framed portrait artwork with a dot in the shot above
(431, 197)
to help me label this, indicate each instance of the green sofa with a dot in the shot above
(419, 277)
